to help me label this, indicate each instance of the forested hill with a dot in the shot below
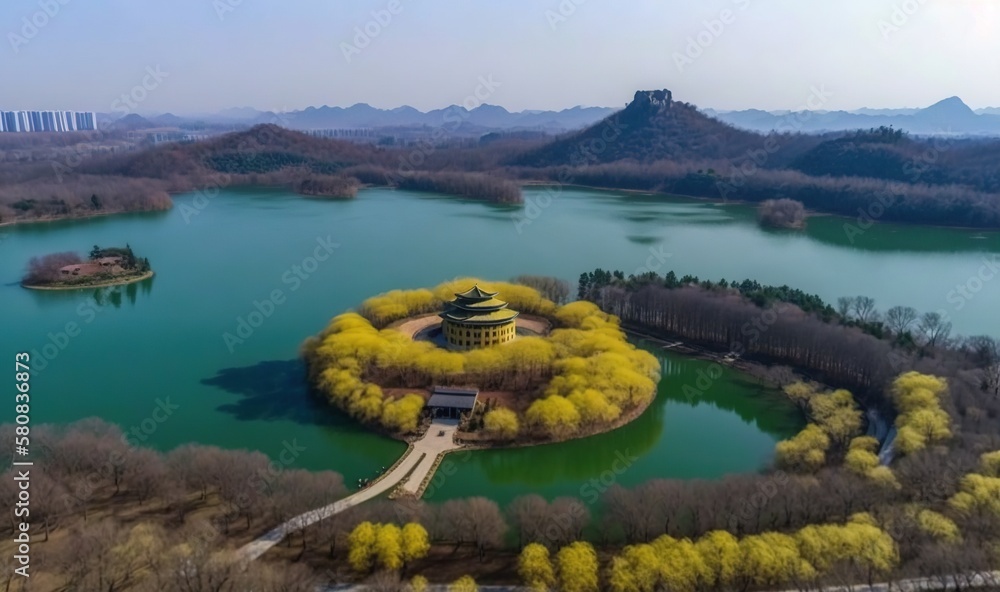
(890, 154)
(261, 149)
(652, 127)
(662, 145)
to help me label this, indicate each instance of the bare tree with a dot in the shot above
(45, 269)
(844, 306)
(567, 517)
(486, 524)
(295, 492)
(146, 474)
(864, 309)
(527, 514)
(194, 466)
(100, 558)
(900, 318)
(555, 289)
(241, 478)
(934, 329)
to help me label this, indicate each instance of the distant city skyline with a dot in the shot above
(199, 56)
(47, 121)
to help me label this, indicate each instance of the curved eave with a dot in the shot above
(476, 293)
(494, 318)
(479, 306)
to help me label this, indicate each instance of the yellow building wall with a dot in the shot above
(471, 336)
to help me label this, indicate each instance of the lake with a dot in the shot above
(152, 357)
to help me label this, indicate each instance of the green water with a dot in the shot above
(163, 340)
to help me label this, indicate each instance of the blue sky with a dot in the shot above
(542, 54)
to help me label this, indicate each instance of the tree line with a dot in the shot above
(191, 502)
(941, 519)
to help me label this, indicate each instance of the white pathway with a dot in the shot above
(420, 459)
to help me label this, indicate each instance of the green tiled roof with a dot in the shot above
(488, 318)
(492, 303)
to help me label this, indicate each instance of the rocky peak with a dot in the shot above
(652, 100)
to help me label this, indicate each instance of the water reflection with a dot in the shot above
(105, 296)
(759, 407)
(271, 390)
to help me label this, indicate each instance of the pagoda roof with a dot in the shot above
(494, 317)
(476, 293)
(479, 305)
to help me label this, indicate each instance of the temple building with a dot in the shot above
(476, 318)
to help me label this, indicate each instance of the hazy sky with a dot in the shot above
(540, 54)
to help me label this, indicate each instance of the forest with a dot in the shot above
(144, 514)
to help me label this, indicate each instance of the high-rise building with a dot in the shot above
(47, 121)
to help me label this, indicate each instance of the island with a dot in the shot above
(783, 213)
(110, 266)
(497, 362)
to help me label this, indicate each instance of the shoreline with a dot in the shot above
(522, 184)
(17, 222)
(737, 202)
(125, 282)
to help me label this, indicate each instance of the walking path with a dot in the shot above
(410, 471)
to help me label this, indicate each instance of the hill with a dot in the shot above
(130, 122)
(661, 145)
(652, 127)
(265, 155)
(457, 119)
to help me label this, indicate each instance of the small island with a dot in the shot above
(499, 361)
(110, 266)
(782, 213)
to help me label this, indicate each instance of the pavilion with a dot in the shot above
(477, 318)
(452, 402)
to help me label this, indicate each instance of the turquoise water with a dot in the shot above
(162, 343)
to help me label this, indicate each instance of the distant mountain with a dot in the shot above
(130, 122)
(948, 117)
(989, 111)
(168, 120)
(456, 118)
(238, 113)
